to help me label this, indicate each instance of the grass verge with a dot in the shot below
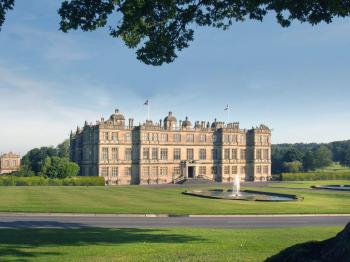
(153, 244)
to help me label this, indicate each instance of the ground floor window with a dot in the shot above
(176, 171)
(104, 171)
(214, 170)
(226, 170)
(202, 170)
(114, 171)
(127, 171)
(234, 170)
(258, 169)
(242, 169)
(163, 171)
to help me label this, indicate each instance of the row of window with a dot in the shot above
(114, 171)
(163, 171)
(262, 154)
(153, 153)
(10, 163)
(177, 137)
(262, 169)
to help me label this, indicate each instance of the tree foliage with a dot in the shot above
(57, 167)
(312, 156)
(5, 5)
(158, 29)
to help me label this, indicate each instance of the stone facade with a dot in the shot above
(171, 150)
(9, 162)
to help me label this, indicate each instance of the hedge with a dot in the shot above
(41, 181)
(310, 176)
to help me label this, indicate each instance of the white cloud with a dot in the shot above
(35, 113)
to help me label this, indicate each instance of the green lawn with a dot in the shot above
(308, 184)
(335, 167)
(153, 244)
(169, 200)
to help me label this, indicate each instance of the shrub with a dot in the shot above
(41, 181)
(310, 176)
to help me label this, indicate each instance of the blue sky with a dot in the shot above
(295, 80)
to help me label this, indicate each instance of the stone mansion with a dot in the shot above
(9, 163)
(170, 151)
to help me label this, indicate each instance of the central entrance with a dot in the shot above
(190, 173)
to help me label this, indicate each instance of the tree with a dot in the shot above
(292, 155)
(63, 149)
(160, 28)
(56, 167)
(5, 5)
(308, 161)
(292, 167)
(346, 157)
(322, 156)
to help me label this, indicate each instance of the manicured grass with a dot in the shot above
(164, 200)
(153, 244)
(335, 167)
(308, 184)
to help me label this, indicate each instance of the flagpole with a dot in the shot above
(228, 114)
(147, 110)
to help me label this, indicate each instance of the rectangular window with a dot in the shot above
(214, 154)
(154, 153)
(258, 154)
(154, 171)
(154, 136)
(176, 171)
(242, 156)
(234, 170)
(226, 170)
(164, 137)
(104, 153)
(265, 154)
(145, 136)
(104, 171)
(164, 154)
(114, 171)
(202, 154)
(226, 138)
(202, 138)
(202, 170)
(214, 170)
(105, 136)
(127, 171)
(266, 169)
(163, 171)
(234, 154)
(189, 154)
(177, 154)
(115, 153)
(177, 138)
(145, 153)
(227, 153)
(258, 169)
(189, 138)
(242, 169)
(127, 154)
(145, 171)
(127, 137)
(114, 136)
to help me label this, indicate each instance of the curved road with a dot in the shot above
(32, 220)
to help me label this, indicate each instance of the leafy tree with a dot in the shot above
(63, 149)
(346, 157)
(292, 167)
(322, 156)
(308, 161)
(292, 155)
(56, 167)
(5, 5)
(160, 28)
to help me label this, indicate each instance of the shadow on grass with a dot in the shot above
(21, 243)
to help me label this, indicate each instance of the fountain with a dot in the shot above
(237, 194)
(236, 186)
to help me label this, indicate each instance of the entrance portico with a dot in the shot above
(188, 169)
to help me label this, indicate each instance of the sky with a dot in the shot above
(295, 80)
